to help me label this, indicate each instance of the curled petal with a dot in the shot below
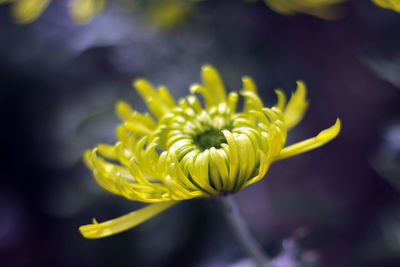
(159, 101)
(251, 101)
(207, 95)
(309, 144)
(249, 85)
(281, 99)
(111, 227)
(296, 107)
(213, 82)
(233, 98)
(107, 151)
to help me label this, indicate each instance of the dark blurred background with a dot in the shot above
(336, 206)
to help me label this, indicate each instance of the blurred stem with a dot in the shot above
(242, 232)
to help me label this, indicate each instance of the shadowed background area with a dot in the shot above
(338, 205)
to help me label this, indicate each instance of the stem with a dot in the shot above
(242, 232)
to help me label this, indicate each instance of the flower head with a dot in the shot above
(388, 4)
(187, 150)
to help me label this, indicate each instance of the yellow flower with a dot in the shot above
(167, 14)
(319, 8)
(162, 13)
(186, 150)
(389, 4)
(82, 11)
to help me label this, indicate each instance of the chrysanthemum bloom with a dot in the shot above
(319, 8)
(186, 150)
(389, 4)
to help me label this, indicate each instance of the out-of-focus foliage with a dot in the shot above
(386, 68)
(387, 159)
(291, 254)
(389, 4)
(382, 242)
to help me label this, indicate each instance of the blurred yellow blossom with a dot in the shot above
(82, 11)
(319, 8)
(25, 11)
(389, 4)
(162, 13)
(185, 149)
(169, 13)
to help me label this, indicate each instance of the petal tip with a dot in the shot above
(337, 126)
(301, 87)
(194, 88)
(207, 67)
(122, 108)
(331, 132)
(138, 82)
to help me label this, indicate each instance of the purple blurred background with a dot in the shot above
(339, 204)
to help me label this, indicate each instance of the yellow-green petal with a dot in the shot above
(296, 107)
(281, 99)
(213, 82)
(322, 138)
(130, 220)
(388, 4)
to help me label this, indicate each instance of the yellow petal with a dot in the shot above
(206, 94)
(251, 101)
(26, 11)
(264, 165)
(382, 3)
(233, 98)
(124, 110)
(111, 227)
(234, 152)
(296, 106)
(166, 97)
(249, 85)
(107, 151)
(281, 99)
(155, 102)
(309, 144)
(213, 82)
(389, 4)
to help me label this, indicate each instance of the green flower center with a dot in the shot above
(209, 138)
